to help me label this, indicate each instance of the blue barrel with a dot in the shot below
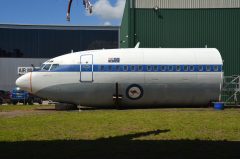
(218, 105)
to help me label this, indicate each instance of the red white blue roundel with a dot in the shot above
(134, 92)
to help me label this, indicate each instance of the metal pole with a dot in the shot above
(117, 93)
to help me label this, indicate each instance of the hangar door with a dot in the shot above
(86, 68)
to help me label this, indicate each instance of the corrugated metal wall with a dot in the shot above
(8, 69)
(216, 28)
(124, 29)
(187, 28)
(187, 3)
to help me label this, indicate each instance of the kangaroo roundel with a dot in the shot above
(134, 92)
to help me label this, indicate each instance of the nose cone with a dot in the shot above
(24, 82)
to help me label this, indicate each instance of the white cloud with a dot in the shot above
(107, 23)
(105, 10)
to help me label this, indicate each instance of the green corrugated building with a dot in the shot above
(185, 24)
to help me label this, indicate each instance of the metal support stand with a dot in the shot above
(116, 97)
(231, 90)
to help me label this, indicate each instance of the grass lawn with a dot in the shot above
(135, 133)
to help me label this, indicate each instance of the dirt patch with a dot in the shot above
(17, 113)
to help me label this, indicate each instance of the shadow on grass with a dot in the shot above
(120, 147)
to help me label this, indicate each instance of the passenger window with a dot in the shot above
(200, 68)
(140, 68)
(178, 68)
(54, 66)
(149, 68)
(132, 68)
(170, 68)
(102, 68)
(155, 68)
(46, 67)
(208, 68)
(163, 68)
(191, 68)
(110, 68)
(125, 68)
(185, 68)
(106, 68)
(216, 68)
(117, 68)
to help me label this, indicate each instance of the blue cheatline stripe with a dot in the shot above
(138, 68)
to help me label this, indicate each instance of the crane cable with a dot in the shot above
(86, 4)
(69, 9)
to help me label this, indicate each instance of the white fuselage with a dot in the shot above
(145, 77)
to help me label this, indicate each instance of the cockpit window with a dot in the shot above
(54, 66)
(46, 67)
(41, 67)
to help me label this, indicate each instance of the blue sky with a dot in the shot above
(105, 12)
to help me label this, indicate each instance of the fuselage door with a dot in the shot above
(86, 68)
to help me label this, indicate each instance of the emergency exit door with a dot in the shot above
(86, 68)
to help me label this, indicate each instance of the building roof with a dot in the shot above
(57, 27)
(186, 4)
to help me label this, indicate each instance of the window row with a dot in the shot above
(162, 68)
